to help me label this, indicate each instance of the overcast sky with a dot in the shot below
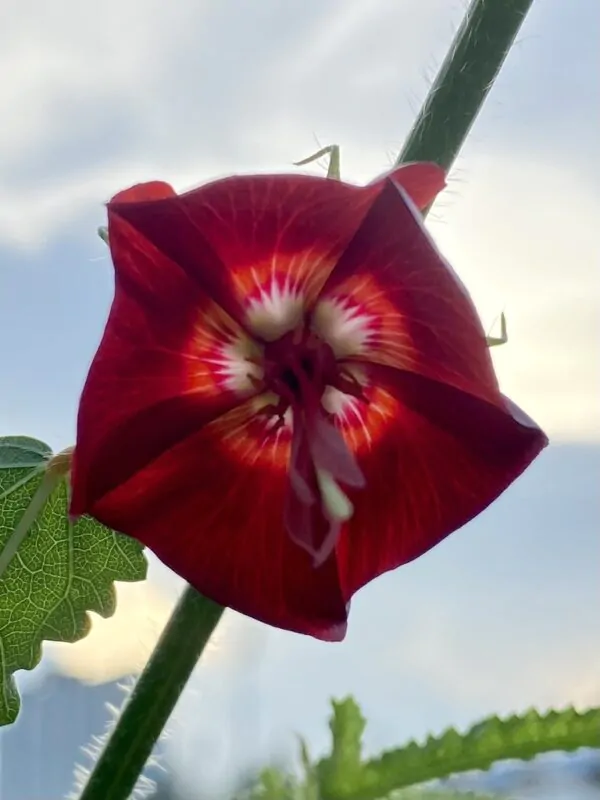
(500, 616)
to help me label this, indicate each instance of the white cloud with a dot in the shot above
(122, 644)
(440, 650)
(522, 234)
(142, 90)
(149, 90)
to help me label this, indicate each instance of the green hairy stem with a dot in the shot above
(454, 101)
(153, 698)
(464, 80)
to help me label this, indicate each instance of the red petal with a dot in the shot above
(441, 457)
(251, 237)
(160, 372)
(212, 508)
(416, 313)
(422, 181)
(153, 190)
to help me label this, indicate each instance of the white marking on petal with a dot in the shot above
(344, 326)
(275, 422)
(336, 402)
(236, 363)
(344, 405)
(347, 409)
(277, 310)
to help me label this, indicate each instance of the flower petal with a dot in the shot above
(261, 246)
(444, 458)
(170, 360)
(212, 508)
(422, 181)
(394, 300)
(152, 190)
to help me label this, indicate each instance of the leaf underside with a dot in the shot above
(59, 572)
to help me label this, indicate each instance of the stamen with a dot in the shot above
(337, 506)
(349, 384)
(297, 370)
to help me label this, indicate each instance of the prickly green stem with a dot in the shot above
(153, 698)
(464, 80)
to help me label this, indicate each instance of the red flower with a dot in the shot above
(293, 393)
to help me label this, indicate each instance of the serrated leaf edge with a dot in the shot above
(415, 763)
(54, 468)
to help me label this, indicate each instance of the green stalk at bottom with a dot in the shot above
(154, 697)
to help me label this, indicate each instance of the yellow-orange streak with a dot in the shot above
(219, 354)
(247, 434)
(304, 272)
(363, 425)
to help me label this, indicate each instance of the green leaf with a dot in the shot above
(492, 740)
(430, 794)
(273, 784)
(343, 769)
(347, 726)
(310, 778)
(52, 572)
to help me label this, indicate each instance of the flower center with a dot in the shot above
(298, 368)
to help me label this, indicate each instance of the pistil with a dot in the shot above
(298, 368)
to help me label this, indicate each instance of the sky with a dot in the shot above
(501, 615)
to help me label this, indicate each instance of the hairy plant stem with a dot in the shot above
(464, 80)
(459, 91)
(154, 697)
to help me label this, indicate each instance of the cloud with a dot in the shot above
(184, 92)
(439, 649)
(521, 233)
(91, 108)
(122, 644)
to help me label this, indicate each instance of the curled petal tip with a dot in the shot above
(142, 192)
(422, 181)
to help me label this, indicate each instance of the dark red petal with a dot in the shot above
(239, 236)
(159, 373)
(422, 181)
(212, 508)
(419, 315)
(444, 458)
